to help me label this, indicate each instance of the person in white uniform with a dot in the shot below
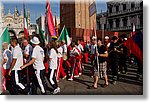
(38, 65)
(53, 58)
(15, 71)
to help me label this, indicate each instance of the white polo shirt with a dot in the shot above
(80, 47)
(8, 56)
(64, 47)
(38, 54)
(60, 52)
(17, 54)
(28, 51)
(53, 55)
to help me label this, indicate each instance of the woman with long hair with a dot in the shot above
(52, 62)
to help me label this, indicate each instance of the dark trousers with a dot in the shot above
(52, 78)
(114, 64)
(39, 81)
(14, 88)
(122, 63)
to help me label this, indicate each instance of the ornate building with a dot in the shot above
(122, 14)
(120, 17)
(15, 22)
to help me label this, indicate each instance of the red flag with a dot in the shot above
(50, 23)
(135, 45)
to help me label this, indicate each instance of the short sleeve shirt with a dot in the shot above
(17, 54)
(38, 54)
(28, 51)
(53, 55)
(8, 56)
(60, 52)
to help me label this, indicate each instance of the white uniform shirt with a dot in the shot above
(28, 51)
(17, 54)
(38, 54)
(53, 55)
(74, 51)
(80, 47)
(64, 47)
(93, 47)
(60, 52)
(8, 56)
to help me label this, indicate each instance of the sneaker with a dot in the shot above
(57, 90)
(80, 73)
(70, 79)
(76, 76)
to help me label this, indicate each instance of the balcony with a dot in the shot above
(125, 11)
(125, 28)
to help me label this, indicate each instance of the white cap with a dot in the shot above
(35, 40)
(94, 37)
(106, 37)
(125, 38)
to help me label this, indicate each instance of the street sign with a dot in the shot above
(92, 9)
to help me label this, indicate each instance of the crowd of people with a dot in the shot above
(28, 64)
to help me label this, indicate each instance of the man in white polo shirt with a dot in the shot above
(15, 71)
(37, 61)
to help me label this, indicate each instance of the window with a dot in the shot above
(110, 10)
(117, 8)
(141, 4)
(124, 7)
(132, 5)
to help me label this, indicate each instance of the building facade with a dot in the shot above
(15, 22)
(122, 15)
(75, 16)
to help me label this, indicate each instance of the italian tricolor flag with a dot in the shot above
(25, 25)
(4, 37)
(65, 36)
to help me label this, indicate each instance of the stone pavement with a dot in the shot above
(127, 84)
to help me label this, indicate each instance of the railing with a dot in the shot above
(125, 11)
(125, 28)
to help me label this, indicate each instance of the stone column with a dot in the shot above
(137, 20)
(114, 23)
(107, 24)
(128, 22)
(121, 7)
(113, 9)
(121, 22)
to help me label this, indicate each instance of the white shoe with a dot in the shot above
(70, 79)
(76, 76)
(80, 73)
(57, 90)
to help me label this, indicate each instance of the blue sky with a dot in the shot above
(38, 8)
